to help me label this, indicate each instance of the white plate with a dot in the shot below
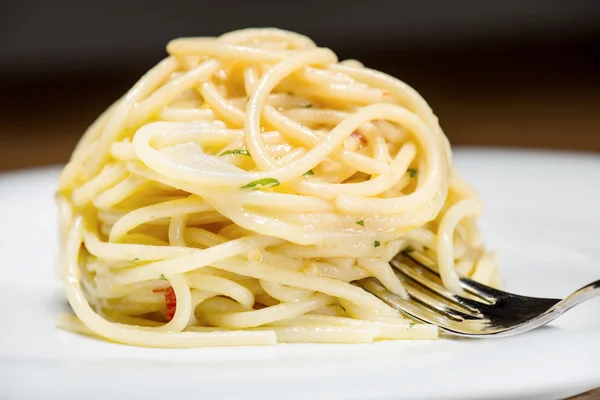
(541, 215)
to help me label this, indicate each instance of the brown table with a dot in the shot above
(591, 395)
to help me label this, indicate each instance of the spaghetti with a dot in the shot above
(234, 193)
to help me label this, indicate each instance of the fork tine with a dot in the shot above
(420, 311)
(439, 306)
(412, 275)
(434, 302)
(413, 309)
(485, 293)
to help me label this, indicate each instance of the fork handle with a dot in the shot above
(585, 293)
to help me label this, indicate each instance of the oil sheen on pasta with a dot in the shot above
(232, 195)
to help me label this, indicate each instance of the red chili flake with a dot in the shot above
(359, 137)
(158, 290)
(385, 92)
(171, 302)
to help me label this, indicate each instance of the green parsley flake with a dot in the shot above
(162, 277)
(377, 243)
(262, 183)
(342, 307)
(135, 259)
(413, 172)
(310, 172)
(242, 152)
(361, 222)
(307, 105)
(411, 324)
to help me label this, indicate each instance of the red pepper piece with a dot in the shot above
(171, 302)
(359, 137)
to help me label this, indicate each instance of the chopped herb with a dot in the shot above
(307, 105)
(342, 307)
(242, 152)
(264, 182)
(162, 277)
(377, 243)
(361, 222)
(310, 172)
(248, 99)
(135, 259)
(413, 172)
(411, 324)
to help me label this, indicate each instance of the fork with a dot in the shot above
(481, 311)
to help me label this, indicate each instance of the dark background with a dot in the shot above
(503, 73)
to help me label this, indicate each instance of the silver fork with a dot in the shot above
(482, 312)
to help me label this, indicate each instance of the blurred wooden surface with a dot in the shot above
(531, 96)
(591, 395)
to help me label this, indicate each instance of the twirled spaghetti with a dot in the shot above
(236, 191)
